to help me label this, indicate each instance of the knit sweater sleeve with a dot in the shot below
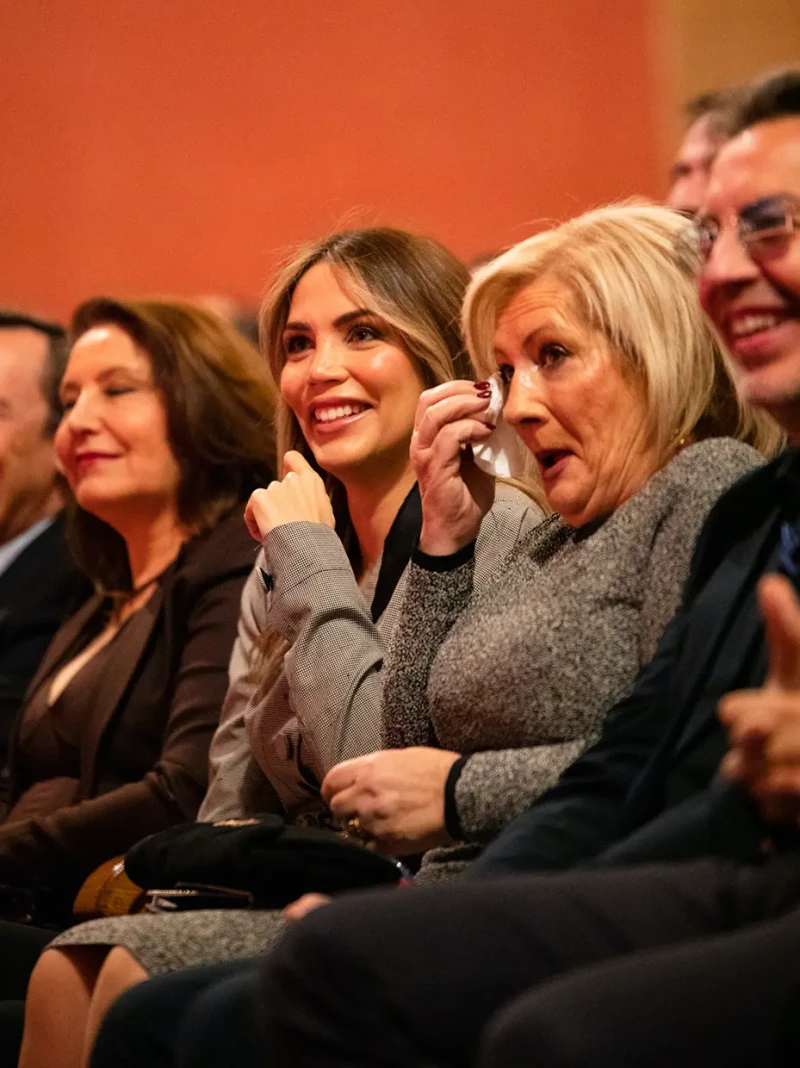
(495, 786)
(433, 601)
(437, 592)
(701, 475)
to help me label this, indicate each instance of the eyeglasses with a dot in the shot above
(763, 227)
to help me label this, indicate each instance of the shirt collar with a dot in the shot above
(12, 549)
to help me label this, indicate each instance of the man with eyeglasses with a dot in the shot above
(646, 956)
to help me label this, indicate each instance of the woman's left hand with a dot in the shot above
(300, 496)
(397, 796)
(305, 904)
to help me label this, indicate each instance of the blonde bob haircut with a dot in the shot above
(630, 271)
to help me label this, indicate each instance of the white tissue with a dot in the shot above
(502, 454)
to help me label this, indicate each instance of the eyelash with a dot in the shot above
(550, 355)
(296, 344)
(110, 391)
(374, 333)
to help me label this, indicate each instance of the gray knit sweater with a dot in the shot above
(521, 675)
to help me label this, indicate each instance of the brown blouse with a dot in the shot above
(49, 739)
(124, 751)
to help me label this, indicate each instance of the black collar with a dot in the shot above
(400, 541)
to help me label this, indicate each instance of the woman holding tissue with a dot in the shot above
(618, 387)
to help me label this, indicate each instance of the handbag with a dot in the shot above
(261, 862)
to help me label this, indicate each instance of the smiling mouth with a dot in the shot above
(85, 458)
(340, 411)
(757, 323)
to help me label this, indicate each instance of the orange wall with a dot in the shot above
(180, 145)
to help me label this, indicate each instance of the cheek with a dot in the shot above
(391, 374)
(786, 271)
(705, 291)
(291, 387)
(61, 440)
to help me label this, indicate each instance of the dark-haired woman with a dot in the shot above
(165, 432)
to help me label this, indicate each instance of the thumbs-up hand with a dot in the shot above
(764, 725)
(299, 496)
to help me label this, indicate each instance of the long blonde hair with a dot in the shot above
(631, 272)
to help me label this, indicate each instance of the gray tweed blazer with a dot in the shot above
(521, 673)
(271, 754)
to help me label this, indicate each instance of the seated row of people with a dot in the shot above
(692, 960)
(420, 653)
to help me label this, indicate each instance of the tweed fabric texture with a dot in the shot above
(334, 672)
(167, 942)
(271, 753)
(521, 673)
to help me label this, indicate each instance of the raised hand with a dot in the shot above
(299, 496)
(455, 493)
(764, 724)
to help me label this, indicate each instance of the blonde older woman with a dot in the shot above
(620, 390)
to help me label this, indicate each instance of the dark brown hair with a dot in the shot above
(219, 401)
(719, 108)
(776, 96)
(55, 361)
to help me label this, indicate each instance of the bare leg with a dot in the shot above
(57, 1006)
(119, 973)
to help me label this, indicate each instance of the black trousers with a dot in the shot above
(20, 946)
(696, 965)
(204, 1017)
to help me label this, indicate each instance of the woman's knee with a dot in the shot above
(73, 968)
(120, 970)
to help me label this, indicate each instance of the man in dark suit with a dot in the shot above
(686, 961)
(38, 581)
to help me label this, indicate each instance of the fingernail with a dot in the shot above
(486, 395)
(481, 385)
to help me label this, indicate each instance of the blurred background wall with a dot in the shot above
(179, 146)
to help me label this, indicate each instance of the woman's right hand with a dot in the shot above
(455, 493)
(300, 496)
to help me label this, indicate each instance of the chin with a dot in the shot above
(93, 499)
(777, 393)
(337, 459)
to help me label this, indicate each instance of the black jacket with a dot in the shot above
(39, 590)
(143, 750)
(647, 790)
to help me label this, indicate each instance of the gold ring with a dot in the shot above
(354, 828)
